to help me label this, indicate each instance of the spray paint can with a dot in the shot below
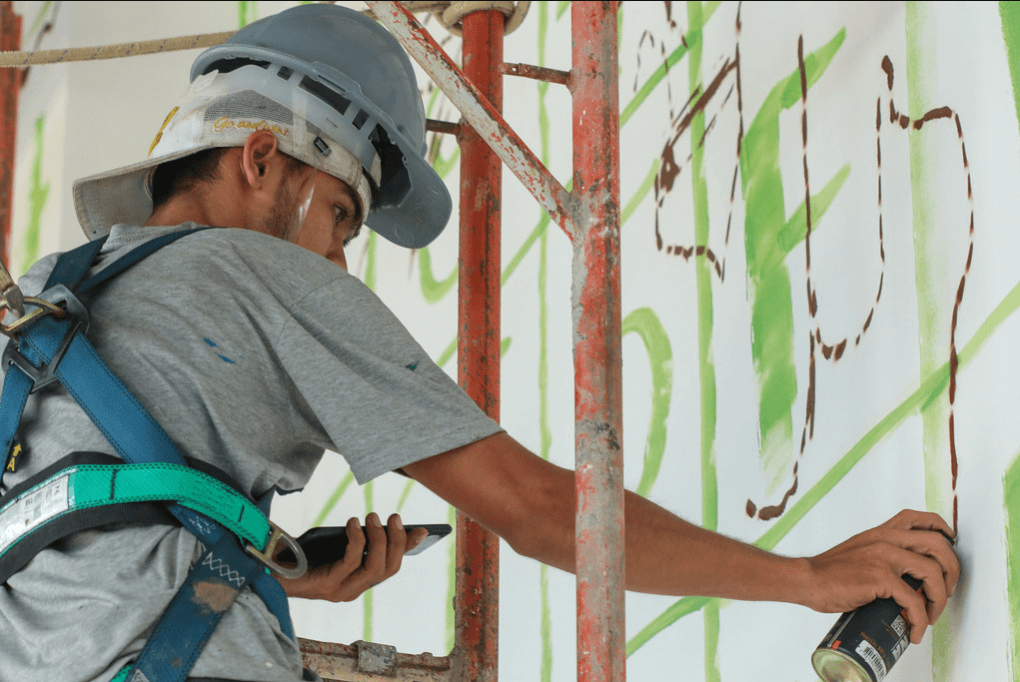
(864, 644)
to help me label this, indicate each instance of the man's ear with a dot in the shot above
(259, 157)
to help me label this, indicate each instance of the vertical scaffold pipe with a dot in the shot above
(477, 600)
(10, 84)
(598, 364)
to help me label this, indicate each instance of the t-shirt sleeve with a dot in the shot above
(381, 400)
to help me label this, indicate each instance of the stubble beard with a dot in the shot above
(282, 220)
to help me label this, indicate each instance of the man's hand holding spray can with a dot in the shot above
(865, 643)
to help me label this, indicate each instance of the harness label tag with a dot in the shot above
(33, 509)
(12, 459)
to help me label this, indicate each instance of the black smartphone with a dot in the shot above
(327, 544)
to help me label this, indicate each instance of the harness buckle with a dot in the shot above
(50, 302)
(266, 556)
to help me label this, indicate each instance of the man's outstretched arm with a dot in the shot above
(529, 502)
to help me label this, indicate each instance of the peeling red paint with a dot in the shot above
(10, 84)
(598, 375)
(478, 368)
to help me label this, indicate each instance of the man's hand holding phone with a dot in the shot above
(359, 568)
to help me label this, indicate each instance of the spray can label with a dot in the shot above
(864, 644)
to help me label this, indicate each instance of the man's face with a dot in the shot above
(332, 217)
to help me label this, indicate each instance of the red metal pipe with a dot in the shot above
(477, 599)
(598, 362)
(10, 84)
(539, 73)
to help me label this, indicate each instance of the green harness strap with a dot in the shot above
(83, 486)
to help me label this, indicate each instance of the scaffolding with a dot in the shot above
(589, 215)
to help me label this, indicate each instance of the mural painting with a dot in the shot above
(820, 284)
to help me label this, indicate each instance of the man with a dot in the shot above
(255, 351)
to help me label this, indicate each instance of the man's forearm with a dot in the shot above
(531, 503)
(667, 555)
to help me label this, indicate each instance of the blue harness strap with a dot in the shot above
(53, 349)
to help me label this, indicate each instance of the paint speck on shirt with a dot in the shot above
(224, 358)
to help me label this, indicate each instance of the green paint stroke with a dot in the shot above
(247, 12)
(768, 276)
(1010, 14)
(703, 275)
(1011, 505)
(544, 430)
(645, 323)
(545, 624)
(333, 499)
(404, 494)
(370, 264)
(451, 582)
(794, 231)
(642, 191)
(440, 164)
(933, 385)
(368, 597)
(433, 290)
(40, 19)
(692, 39)
(706, 363)
(635, 200)
(679, 609)
(931, 262)
(38, 193)
(536, 234)
(444, 164)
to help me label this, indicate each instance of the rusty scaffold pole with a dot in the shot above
(598, 360)
(10, 84)
(590, 216)
(476, 604)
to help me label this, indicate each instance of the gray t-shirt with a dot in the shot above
(254, 355)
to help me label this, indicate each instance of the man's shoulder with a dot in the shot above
(232, 253)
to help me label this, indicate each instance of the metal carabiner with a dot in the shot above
(58, 301)
(43, 308)
(266, 556)
(11, 294)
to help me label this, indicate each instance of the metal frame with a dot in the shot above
(590, 215)
(598, 359)
(476, 604)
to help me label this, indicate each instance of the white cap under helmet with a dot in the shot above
(339, 93)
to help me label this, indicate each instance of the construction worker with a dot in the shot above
(251, 350)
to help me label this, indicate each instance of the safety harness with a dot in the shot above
(85, 490)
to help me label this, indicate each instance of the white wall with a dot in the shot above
(102, 115)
